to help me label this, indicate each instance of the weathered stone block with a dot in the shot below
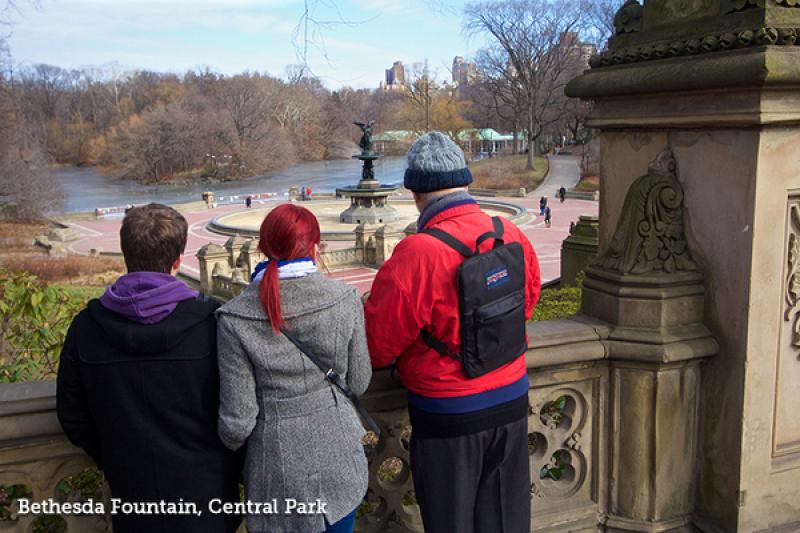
(579, 249)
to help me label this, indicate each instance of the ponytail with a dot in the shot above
(288, 232)
(271, 296)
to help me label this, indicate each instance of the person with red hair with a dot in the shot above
(303, 436)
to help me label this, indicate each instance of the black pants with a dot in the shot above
(475, 483)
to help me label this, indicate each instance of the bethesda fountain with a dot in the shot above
(369, 200)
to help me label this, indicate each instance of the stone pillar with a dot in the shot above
(251, 255)
(578, 249)
(234, 246)
(717, 84)
(208, 257)
(363, 234)
(386, 238)
(646, 285)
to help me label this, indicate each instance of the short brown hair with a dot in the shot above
(152, 237)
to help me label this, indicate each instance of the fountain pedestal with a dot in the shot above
(369, 199)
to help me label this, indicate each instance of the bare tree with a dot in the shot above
(420, 85)
(598, 20)
(536, 36)
(507, 96)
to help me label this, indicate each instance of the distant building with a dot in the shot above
(463, 73)
(395, 77)
(577, 52)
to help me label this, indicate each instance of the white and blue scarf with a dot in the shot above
(296, 268)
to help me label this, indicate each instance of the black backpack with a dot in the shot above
(491, 297)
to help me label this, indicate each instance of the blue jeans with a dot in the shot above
(345, 525)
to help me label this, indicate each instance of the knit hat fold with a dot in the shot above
(435, 162)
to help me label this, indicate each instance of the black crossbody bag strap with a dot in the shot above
(333, 377)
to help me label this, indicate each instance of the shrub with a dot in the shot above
(559, 303)
(35, 318)
(588, 184)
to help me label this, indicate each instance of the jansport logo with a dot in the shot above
(496, 277)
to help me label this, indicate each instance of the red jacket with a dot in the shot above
(416, 288)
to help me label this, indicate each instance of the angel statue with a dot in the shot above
(366, 136)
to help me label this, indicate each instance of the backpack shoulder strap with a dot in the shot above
(497, 234)
(449, 240)
(499, 229)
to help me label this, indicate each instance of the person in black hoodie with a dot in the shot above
(138, 384)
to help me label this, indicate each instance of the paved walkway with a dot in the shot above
(546, 241)
(564, 172)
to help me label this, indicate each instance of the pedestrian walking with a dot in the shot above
(562, 194)
(249, 202)
(547, 219)
(542, 204)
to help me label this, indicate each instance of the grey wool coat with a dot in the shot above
(303, 436)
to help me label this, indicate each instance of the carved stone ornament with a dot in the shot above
(650, 236)
(741, 5)
(629, 18)
(704, 44)
(792, 313)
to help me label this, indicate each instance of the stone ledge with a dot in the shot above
(752, 67)
(674, 352)
(618, 524)
(27, 397)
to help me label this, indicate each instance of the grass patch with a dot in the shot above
(17, 236)
(508, 172)
(588, 184)
(78, 269)
(557, 303)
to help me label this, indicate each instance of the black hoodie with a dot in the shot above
(142, 400)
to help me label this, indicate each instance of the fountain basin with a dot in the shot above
(246, 222)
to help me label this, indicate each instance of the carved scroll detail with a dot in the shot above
(792, 291)
(629, 18)
(650, 235)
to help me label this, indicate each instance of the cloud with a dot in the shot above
(234, 35)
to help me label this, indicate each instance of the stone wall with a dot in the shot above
(569, 439)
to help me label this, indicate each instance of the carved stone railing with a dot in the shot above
(568, 426)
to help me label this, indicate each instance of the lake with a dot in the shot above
(86, 189)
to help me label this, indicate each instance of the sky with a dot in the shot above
(232, 36)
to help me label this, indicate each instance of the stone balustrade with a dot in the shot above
(569, 439)
(224, 270)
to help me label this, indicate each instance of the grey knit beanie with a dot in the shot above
(435, 162)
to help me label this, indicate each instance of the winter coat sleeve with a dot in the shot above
(359, 369)
(72, 405)
(393, 318)
(238, 405)
(533, 280)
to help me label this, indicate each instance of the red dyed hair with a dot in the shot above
(288, 232)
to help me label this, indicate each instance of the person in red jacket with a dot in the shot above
(469, 442)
